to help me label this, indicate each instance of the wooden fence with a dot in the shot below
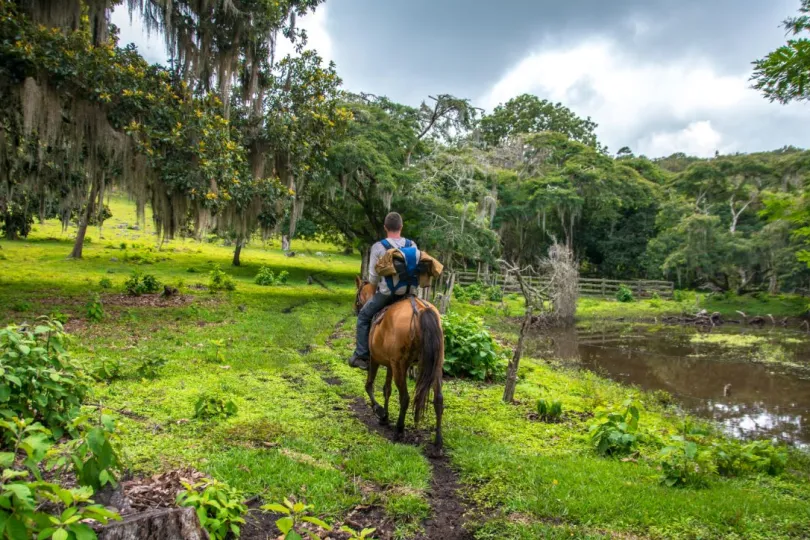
(587, 286)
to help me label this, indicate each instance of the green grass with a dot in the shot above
(294, 434)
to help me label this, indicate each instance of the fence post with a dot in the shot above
(604, 288)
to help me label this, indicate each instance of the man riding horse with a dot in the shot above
(384, 296)
(408, 334)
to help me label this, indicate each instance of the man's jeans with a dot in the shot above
(372, 307)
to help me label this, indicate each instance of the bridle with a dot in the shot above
(357, 305)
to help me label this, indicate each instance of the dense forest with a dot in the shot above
(230, 140)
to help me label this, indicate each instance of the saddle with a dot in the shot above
(375, 321)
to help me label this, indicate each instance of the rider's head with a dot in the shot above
(393, 224)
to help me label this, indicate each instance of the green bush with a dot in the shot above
(616, 433)
(139, 284)
(494, 293)
(470, 293)
(105, 283)
(549, 411)
(38, 380)
(469, 350)
(736, 459)
(150, 367)
(95, 310)
(220, 281)
(295, 515)
(267, 277)
(686, 463)
(624, 294)
(220, 507)
(211, 406)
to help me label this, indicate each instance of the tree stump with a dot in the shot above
(164, 524)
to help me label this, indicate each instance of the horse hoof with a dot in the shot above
(381, 413)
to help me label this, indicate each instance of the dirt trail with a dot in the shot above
(447, 509)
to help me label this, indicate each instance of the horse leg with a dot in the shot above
(372, 375)
(389, 375)
(404, 399)
(438, 406)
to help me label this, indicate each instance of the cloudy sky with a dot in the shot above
(656, 75)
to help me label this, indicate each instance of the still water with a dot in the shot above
(754, 383)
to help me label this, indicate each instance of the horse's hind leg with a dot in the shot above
(387, 393)
(372, 375)
(438, 406)
(404, 400)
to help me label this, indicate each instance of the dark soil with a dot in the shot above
(447, 509)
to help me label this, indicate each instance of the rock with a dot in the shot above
(169, 291)
(702, 313)
(113, 259)
(290, 254)
(242, 308)
(164, 524)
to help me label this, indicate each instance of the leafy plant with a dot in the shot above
(92, 454)
(108, 370)
(38, 380)
(736, 459)
(268, 277)
(296, 514)
(21, 307)
(471, 293)
(95, 310)
(31, 507)
(149, 367)
(685, 462)
(105, 283)
(219, 345)
(549, 411)
(139, 284)
(361, 535)
(57, 315)
(494, 293)
(210, 406)
(470, 350)
(219, 507)
(616, 433)
(624, 294)
(219, 280)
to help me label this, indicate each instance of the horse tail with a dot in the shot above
(430, 362)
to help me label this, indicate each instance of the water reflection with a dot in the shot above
(750, 400)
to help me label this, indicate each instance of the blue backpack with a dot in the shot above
(408, 273)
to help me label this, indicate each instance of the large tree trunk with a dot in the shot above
(514, 363)
(366, 253)
(237, 252)
(166, 524)
(78, 246)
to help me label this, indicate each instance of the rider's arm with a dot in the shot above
(377, 250)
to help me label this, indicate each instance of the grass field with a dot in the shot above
(270, 349)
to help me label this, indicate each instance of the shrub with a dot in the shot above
(678, 295)
(296, 514)
(219, 507)
(39, 380)
(105, 283)
(616, 433)
(107, 370)
(549, 411)
(219, 280)
(150, 367)
(211, 406)
(21, 307)
(33, 508)
(95, 310)
(139, 284)
(57, 315)
(736, 459)
(469, 349)
(686, 463)
(624, 294)
(494, 293)
(267, 277)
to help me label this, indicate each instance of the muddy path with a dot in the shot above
(448, 508)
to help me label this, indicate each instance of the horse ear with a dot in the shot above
(358, 282)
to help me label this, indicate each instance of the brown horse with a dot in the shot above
(409, 333)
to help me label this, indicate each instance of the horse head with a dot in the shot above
(365, 291)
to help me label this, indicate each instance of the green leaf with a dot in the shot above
(61, 534)
(318, 522)
(285, 524)
(276, 508)
(83, 532)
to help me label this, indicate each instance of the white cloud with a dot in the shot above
(697, 139)
(625, 97)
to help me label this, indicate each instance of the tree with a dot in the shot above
(529, 114)
(784, 74)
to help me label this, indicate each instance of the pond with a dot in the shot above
(753, 383)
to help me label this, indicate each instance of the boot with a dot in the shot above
(358, 362)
